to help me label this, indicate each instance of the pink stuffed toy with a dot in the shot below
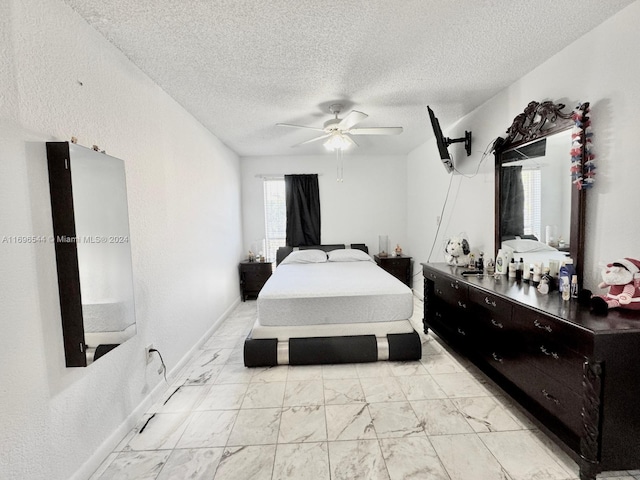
(622, 277)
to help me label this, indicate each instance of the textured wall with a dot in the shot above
(600, 68)
(59, 78)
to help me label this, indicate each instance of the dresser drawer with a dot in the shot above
(443, 316)
(453, 292)
(560, 401)
(256, 275)
(547, 329)
(563, 364)
(496, 306)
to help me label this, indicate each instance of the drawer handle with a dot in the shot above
(454, 285)
(439, 292)
(547, 352)
(550, 397)
(438, 314)
(496, 324)
(542, 326)
(497, 357)
(461, 332)
(462, 305)
(489, 302)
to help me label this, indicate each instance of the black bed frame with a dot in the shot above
(265, 352)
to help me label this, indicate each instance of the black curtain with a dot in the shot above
(511, 202)
(303, 210)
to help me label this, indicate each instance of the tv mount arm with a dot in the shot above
(466, 139)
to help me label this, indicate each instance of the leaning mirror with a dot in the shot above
(534, 196)
(93, 255)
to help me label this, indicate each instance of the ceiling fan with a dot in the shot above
(338, 132)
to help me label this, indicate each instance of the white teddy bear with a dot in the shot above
(456, 251)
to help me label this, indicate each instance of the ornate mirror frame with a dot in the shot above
(539, 120)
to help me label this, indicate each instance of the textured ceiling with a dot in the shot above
(241, 66)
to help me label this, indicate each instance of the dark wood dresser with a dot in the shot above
(253, 276)
(398, 266)
(576, 373)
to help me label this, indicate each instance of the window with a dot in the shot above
(275, 216)
(532, 201)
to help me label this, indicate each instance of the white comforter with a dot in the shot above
(332, 293)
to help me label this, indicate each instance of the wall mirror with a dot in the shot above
(534, 197)
(93, 256)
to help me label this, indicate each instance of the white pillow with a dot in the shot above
(525, 245)
(349, 255)
(305, 256)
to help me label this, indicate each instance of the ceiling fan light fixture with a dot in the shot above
(337, 141)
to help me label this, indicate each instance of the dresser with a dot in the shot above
(577, 374)
(398, 266)
(253, 276)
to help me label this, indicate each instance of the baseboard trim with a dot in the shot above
(96, 461)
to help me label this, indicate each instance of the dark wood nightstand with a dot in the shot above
(399, 267)
(253, 276)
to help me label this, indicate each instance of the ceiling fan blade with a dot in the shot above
(351, 119)
(376, 131)
(350, 140)
(312, 140)
(298, 126)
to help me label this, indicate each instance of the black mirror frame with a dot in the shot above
(539, 120)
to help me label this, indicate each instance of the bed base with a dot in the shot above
(268, 352)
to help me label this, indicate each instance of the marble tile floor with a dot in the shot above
(433, 419)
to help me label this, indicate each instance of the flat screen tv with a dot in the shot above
(444, 142)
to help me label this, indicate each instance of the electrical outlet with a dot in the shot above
(148, 354)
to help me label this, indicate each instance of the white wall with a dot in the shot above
(371, 200)
(602, 68)
(184, 206)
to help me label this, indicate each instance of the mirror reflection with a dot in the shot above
(104, 255)
(536, 194)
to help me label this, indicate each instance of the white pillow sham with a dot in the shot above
(524, 245)
(305, 256)
(349, 255)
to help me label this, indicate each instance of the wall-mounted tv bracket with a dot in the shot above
(466, 139)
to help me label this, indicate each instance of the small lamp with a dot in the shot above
(383, 245)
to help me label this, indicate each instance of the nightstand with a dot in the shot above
(253, 276)
(399, 267)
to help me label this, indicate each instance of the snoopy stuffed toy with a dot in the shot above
(456, 251)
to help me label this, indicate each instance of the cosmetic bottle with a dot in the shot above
(574, 286)
(500, 266)
(566, 272)
(491, 267)
(548, 278)
(512, 268)
(537, 275)
(526, 273)
(566, 289)
(519, 267)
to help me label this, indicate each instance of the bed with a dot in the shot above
(331, 304)
(531, 250)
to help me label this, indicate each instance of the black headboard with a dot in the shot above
(284, 251)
